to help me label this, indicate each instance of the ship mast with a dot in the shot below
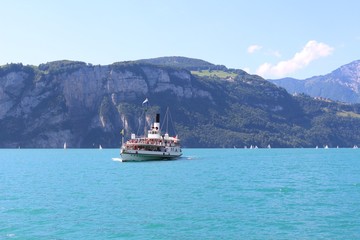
(145, 105)
(122, 131)
(168, 118)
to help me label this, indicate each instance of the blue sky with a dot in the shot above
(279, 38)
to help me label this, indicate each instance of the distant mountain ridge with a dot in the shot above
(190, 64)
(88, 105)
(342, 84)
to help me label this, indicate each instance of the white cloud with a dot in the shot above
(251, 49)
(312, 51)
(274, 53)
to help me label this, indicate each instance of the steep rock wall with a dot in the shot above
(47, 106)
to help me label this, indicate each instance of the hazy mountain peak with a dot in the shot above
(342, 84)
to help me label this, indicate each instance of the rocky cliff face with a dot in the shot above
(61, 101)
(343, 84)
(85, 106)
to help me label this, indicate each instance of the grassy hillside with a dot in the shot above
(251, 111)
(215, 74)
(190, 64)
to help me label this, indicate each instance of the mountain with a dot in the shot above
(87, 105)
(343, 84)
(190, 64)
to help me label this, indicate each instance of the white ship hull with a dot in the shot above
(135, 156)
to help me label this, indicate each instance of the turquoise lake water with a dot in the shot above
(208, 194)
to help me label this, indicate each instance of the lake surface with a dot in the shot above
(208, 194)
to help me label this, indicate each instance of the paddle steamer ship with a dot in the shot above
(152, 146)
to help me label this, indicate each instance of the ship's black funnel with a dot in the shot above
(157, 118)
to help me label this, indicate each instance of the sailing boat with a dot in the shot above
(65, 145)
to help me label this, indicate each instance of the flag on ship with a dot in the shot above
(145, 101)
